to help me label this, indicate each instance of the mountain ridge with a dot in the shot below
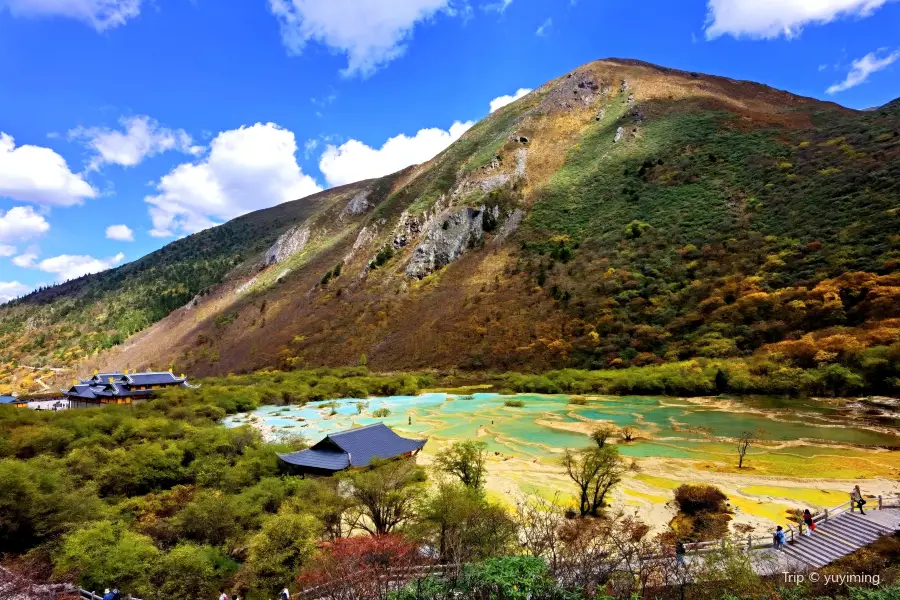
(588, 209)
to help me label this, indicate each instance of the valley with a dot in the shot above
(810, 454)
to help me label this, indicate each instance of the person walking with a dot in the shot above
(778, 539)
(285, 595)
(223, 596)
(107, 595)
(810, 524)
(116, 594)
(679, 552)
(856, 498)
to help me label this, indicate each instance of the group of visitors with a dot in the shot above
(778, 538)
(856, 501)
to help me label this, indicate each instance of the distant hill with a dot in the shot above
(623, 214)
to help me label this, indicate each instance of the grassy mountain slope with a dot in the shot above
(621, 215)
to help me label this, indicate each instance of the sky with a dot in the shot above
(126, 124)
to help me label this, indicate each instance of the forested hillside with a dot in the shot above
(621, 215)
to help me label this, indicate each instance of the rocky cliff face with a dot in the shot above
(445, 240)
(291, 242)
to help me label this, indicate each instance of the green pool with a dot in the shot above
(673, 428)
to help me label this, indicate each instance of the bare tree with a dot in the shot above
(744, 442)
(628, 434)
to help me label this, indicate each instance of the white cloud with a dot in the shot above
(68, 266)
(774, 18)
(7, 250)
(499, 7)
(141, 137)
(355, 161)
(862, 68)
(504, 100)
(12, 289)
(39, 175)
(121, 233)
(309, 147)
(371, 33)
(545, 26)
(99, 14)
(26, 260)
(20, 224)
(246, 169)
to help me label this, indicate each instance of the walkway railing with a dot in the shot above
(386, 577)
(792, 529)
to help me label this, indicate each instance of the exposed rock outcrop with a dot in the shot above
(512, 222)
(410, 226)
(620, 133)
(358, 204)
(521, 162)
(445, 240)
(365, 237)
(576, 89)
(291, 242)
(245, 286)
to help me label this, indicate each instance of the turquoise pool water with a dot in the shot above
(669, 427)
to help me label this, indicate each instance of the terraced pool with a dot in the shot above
(668, 427)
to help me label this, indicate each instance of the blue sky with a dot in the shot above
(127, 123)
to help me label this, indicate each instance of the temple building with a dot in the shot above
(351, 449)
(120, 388)
(13, 401)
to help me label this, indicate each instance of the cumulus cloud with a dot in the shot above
(246, 169)
(120, 233)
(69, 266)
(39, 175)
(25, 260)
(370, 32)
(99, 14)
(7, 250)
(774, 18)
(20, 224)
(355, 161)
(862, 68)
(139, 138)
(12, 289)
(502, 101)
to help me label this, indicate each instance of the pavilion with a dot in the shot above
(351, 449)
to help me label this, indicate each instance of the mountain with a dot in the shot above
(624, 214)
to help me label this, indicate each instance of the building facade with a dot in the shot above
(103, 389)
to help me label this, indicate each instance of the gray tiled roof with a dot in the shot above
(318, 459)
(152, 378)
(353, 448)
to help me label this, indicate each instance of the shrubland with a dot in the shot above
(161, 500)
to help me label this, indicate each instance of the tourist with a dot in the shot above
(223, 596)
(856, 498)
(285, 594)
(107, 595)
(116, 594)
(679, 552)
(810, 524)
(778, 539)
